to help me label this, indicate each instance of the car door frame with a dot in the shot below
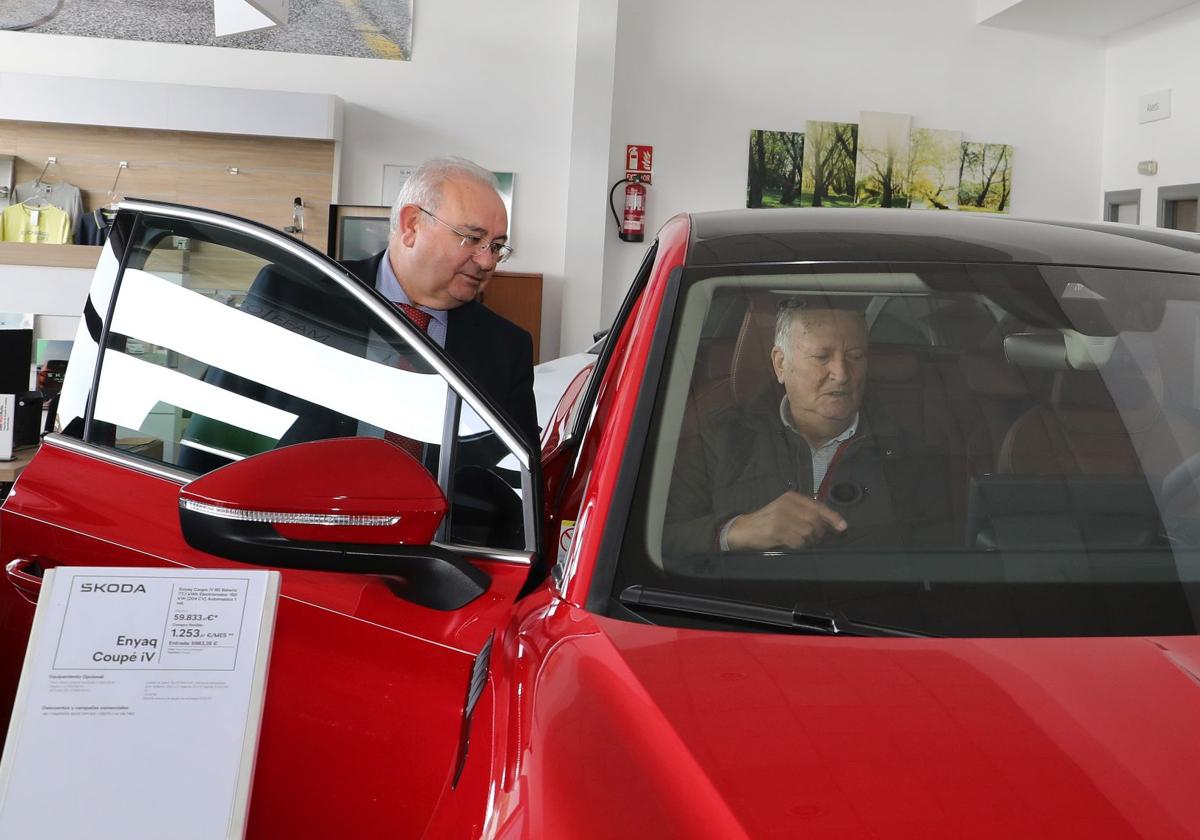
(431, 354)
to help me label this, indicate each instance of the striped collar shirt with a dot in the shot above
(822, 456)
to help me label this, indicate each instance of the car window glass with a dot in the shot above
(901, 320)
(222, 346)
(488, 490)
(1038, 433)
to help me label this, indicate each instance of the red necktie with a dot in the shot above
(420, 320)
(419, 317)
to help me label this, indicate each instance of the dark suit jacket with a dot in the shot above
(495, 353)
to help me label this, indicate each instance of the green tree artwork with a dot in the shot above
(985, 177)
(829, 155)
(774, 172)
(933, 164)
(882, 165)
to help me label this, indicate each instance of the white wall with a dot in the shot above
(490, 81)
(694, 77)
(501, 83)
(55, 295)
(1158, 55)
(591, 128)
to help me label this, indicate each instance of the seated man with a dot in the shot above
(809, 466)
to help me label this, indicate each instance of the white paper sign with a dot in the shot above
(1154, 106)
(139, 705)
(8, 411)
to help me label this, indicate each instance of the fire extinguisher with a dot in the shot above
(631, 228)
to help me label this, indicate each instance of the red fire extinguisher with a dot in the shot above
(632, 226)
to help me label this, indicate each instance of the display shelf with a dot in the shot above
(65, 256)
(11, 470)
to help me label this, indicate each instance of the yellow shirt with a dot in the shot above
(42, 224)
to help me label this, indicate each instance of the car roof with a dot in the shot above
(762, 237)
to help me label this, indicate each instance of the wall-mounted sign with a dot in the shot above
(639, 161)
(1154, 106)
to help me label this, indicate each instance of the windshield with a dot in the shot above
(947, 450)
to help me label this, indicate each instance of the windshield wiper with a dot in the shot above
(830, 623)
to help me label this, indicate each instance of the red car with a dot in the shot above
(988, 630)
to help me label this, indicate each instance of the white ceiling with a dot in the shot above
(1086, 18)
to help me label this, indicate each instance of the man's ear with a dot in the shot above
(777, 363)
(409, 219)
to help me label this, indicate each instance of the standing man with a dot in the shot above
(449, 231)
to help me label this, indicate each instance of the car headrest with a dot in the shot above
(964, 324)
(892, 364)
(720, 359)
(1091, 402)
(990, 375)
(1080, 388)
(751, 370)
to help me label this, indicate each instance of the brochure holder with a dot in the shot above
(140, 704)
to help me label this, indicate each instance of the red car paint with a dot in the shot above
(701, 734)
(601, 455)
(593, 727)
(359, 477)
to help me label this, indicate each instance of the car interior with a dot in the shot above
(1066, 429)
(1053, 446)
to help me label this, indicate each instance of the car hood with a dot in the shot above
(682, 732)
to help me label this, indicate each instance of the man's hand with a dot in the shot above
(791, 521)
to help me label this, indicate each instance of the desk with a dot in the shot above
(9, 470)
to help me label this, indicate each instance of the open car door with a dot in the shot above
(235, 397)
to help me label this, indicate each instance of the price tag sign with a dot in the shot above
(147, 680)
(160, 624)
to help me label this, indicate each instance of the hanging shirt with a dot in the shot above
(47, 224)
(64, 196)
(94, 228)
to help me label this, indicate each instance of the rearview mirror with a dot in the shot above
(341, 505)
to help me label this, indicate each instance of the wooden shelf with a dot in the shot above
(65, 256)
(182, 167)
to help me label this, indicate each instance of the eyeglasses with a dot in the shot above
(498, 250)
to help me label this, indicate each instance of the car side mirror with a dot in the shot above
(355, 504)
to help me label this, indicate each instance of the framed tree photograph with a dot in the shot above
(882, 164)
(774, 174)
(985, 180)
(933, 169)
(830, 151)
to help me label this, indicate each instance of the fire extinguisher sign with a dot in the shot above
(639, 161)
